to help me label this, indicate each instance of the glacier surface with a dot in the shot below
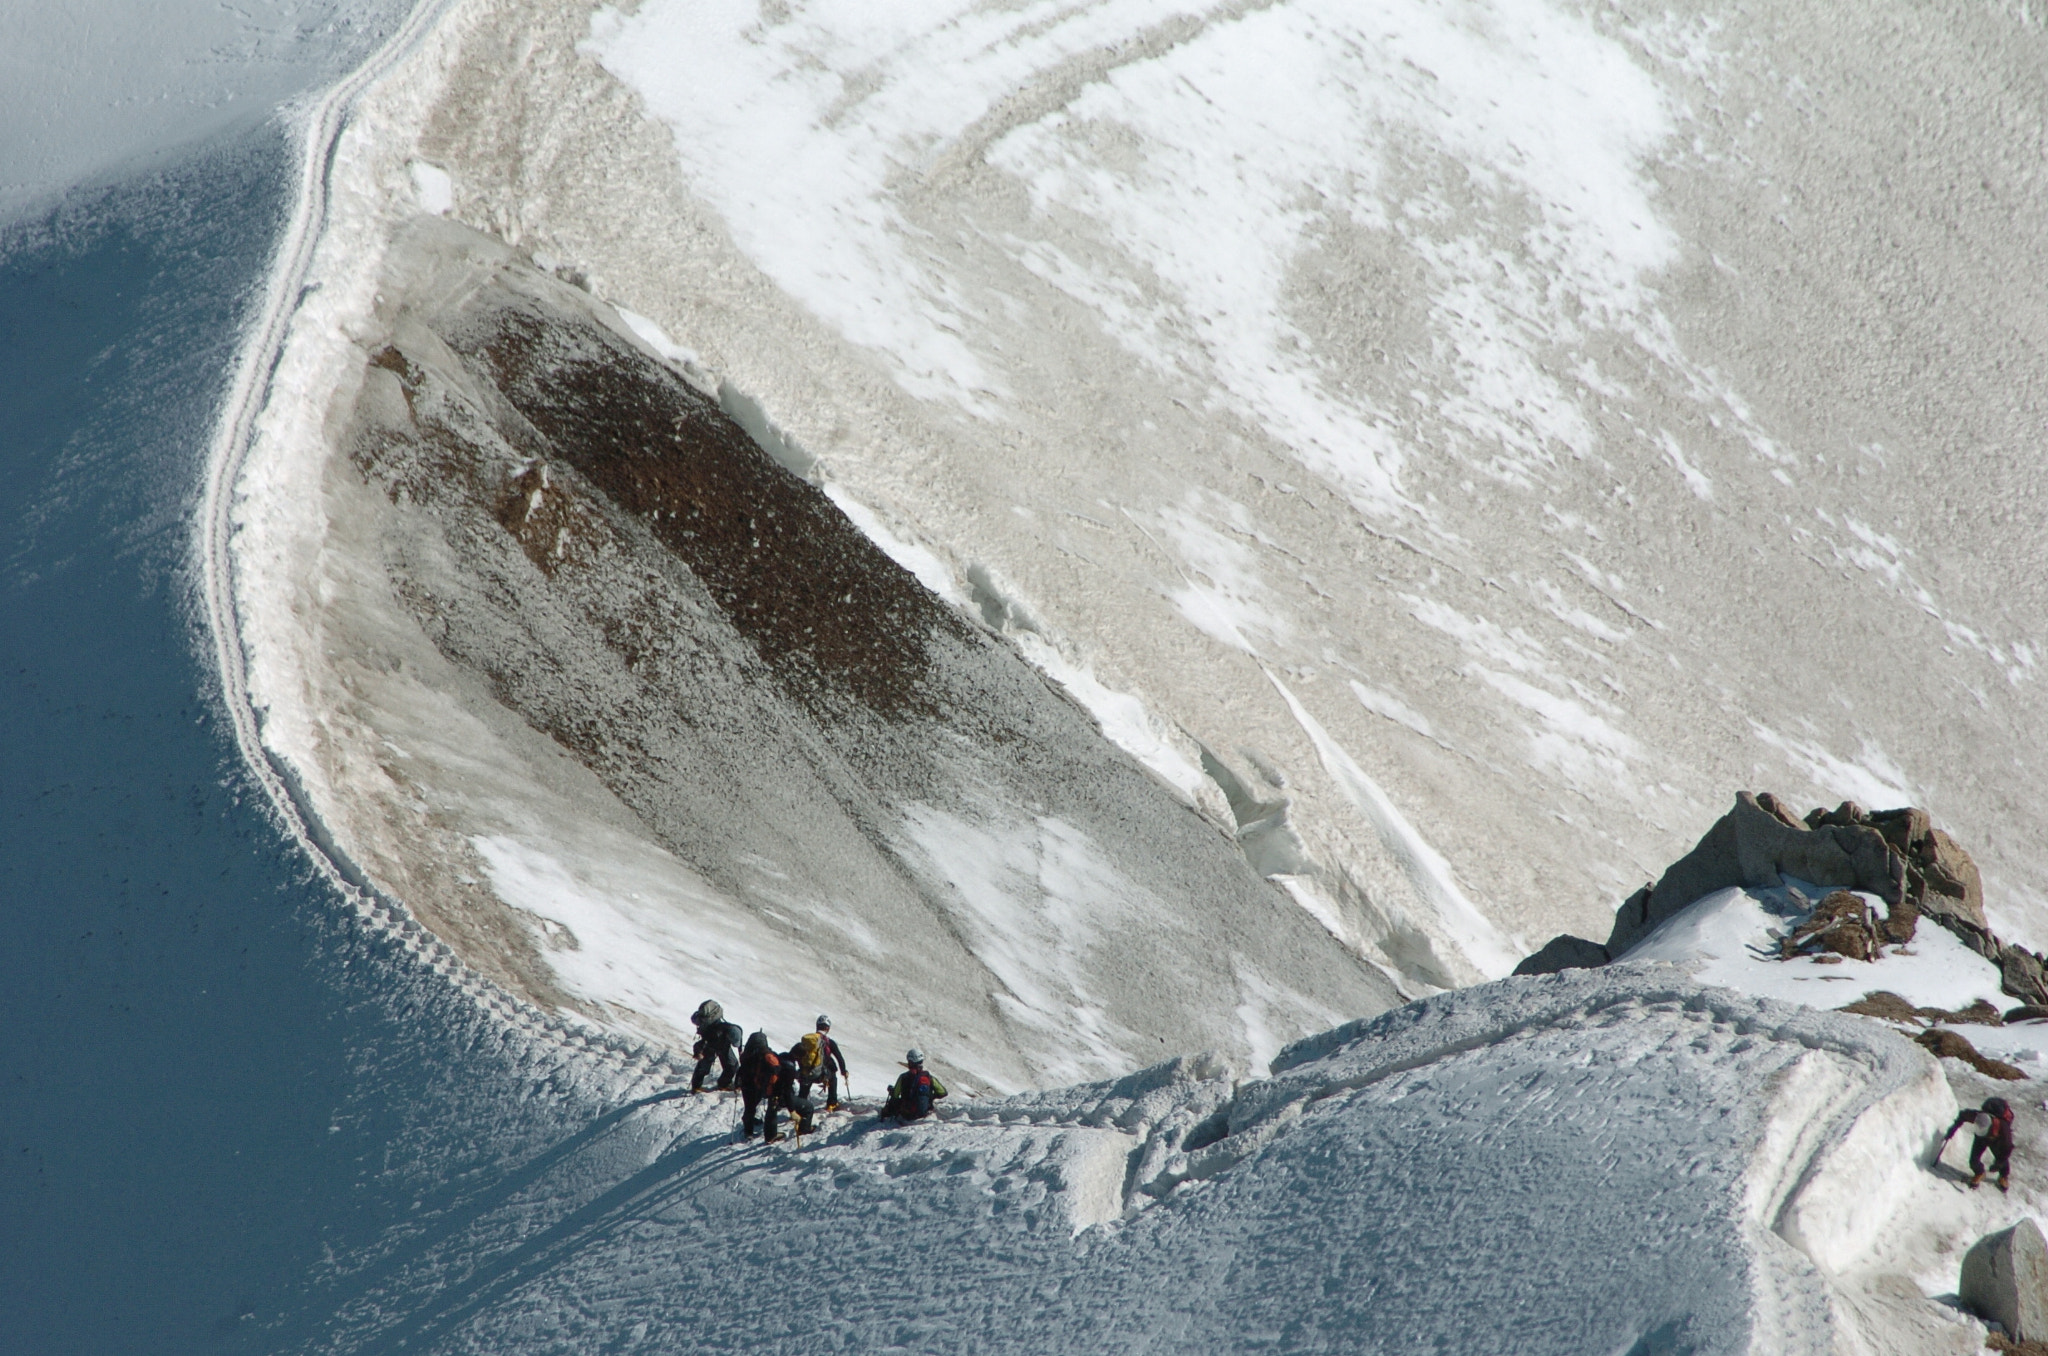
(1429, 452)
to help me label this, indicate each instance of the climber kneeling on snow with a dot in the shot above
(912, 1097)
(1993, 1127)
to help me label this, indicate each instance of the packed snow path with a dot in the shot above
(1615, 1161)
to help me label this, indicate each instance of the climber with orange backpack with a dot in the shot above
(760, 1080)
(1993, 1127)
(915, 1091)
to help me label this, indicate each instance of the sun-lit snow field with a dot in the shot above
(1446, 446)
(1474, 1166)
(1406, 428)
(1730, 939)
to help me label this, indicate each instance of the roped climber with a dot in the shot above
(803, 1112)
(760, 1081)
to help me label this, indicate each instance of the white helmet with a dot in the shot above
(824, 1022)
(914, 1056)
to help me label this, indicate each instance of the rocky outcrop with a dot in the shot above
(1564, 952)
(1758, 843)
(1945, 1044)
(1918, 870)
(1842, 924)
(1892, 1008)
(2005, 1280)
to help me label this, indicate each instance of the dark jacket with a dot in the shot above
(712, 1035)
(788, 1070)
(833, 1059)
(904, 1089)
(759, 1068)
(2001, 1126)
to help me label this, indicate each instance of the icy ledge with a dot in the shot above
(1614, 1161)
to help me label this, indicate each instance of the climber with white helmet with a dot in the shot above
(914, 1092)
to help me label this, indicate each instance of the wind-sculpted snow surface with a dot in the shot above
(1616, 1162)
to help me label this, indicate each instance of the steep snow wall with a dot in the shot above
(1585, 1162)
(1579, 410)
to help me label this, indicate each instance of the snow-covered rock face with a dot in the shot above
(1730, 938)
(1617, 1162)
(1400, 426)
(632, 715)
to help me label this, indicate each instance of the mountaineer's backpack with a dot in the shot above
(915, 1097)
(810, 1053)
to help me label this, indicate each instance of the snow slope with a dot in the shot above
(1619, 1161)
(1396, 413)
(1442, 426)
(1447, 446)
(1729, 938)
(1570, 404)
(622, 753)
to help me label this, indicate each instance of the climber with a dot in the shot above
(717, 1039)
(1992, 1125)
(821, 1062)
(803, 1112)
(760, 1080)
(915, 1091)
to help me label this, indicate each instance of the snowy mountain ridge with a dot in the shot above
(1433, 1175)
(1372, 482)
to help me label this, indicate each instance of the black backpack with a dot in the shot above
(917, 1098)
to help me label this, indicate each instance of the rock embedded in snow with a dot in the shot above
(1892, 1008)
(1841, 924)
(2005, 1279)
(1753, 845)
(1897, 856)
(1946, 1044)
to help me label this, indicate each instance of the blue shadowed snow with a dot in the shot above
(211, 1075)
